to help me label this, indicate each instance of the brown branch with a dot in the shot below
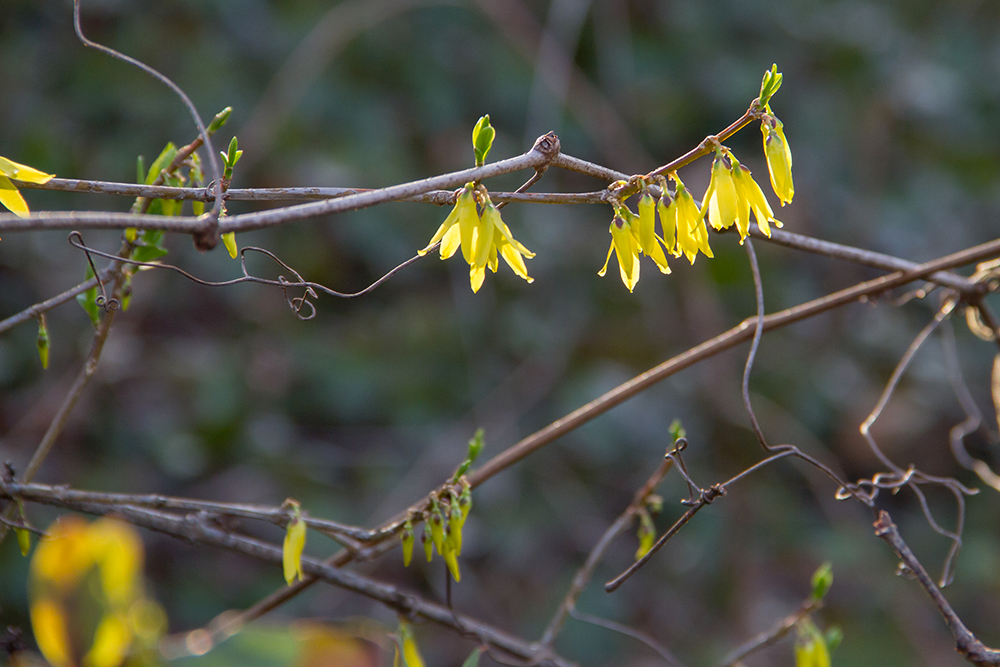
(966, 642)
(772, 635)
(586, 571)
(194, 530)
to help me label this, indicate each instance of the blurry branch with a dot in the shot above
(729, 339)
(973, 417)
(774, 634)
(912, 477)
(196, 530)
(582, 577)
(667, 656)
(626, 390)
(278, 515)
(213, 161)
(75, 392)
(965, 641)
(699, 499)
(34, 311)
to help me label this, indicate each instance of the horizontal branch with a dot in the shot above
(544, 150)
(439, 197)
(198, 532)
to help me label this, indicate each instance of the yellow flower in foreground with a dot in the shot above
(779, 158)
(720, 201)
(411, 654)
(9, 196)
(626, 248)
(85, 586)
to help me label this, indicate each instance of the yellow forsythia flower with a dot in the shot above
(86, 584)
(779, 158)
(645, 231)
(9, 196)
(692, 235)
(812, 653)
(482, 238)
(720, 201)
(751, 199)
(407, 538)
(626, 249)
(295, 542)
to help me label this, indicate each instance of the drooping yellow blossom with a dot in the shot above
(649, 243)
(295, 543)
(9, 196)
(667, 211)
(483, 238)
(692, 235)
(407, 538)
(626, 249)
(751, 198)
(86, 594)
(779, 158)
(720, 201)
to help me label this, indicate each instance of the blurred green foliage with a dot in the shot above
(891, 112)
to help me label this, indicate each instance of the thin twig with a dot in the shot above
(213, 161)
(966, 642)
(772, 635)
(586, 571)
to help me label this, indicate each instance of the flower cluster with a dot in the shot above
(443, 523)
(475, 225)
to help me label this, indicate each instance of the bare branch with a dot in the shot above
(966, 642)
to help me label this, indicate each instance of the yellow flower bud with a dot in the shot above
(295, 542)
(779, 159)
(624, 245)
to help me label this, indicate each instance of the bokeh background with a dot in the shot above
(891, 110)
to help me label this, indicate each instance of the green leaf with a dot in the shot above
(822, 579)
(166, 156)
(476, 445)
(88, 301)
(473, 659)
(43, 341)
(147, 253)
(219, 120)
(769, 85)
(140, 170)
(677, 430)
(482, 139)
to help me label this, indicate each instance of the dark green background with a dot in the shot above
(891, 110)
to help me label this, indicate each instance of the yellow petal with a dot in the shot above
(468, 221)
(446, 226)
(720, 199)
(647, 223)
(23, 172)
(111, 643)
(514, 260)
(779, 161)
(11, 198)
(626, 249)
(291, 553)
(668, 219)
(48, 621)
(229, 238)
(450, 242)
